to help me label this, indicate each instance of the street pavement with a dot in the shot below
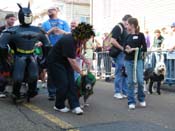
(105, 113)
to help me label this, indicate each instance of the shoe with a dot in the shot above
(77, 111)
(118, 95)
(2, 95)
(124, 96)
(132, 106)
(64, 110)
(17, 98)
(143, 104)
(51, 98)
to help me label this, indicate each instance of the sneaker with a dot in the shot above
(64, 110)
(124, 96)
(118, 95)
(143, 104)
(77, 111)
(3, 95)
(132, 106)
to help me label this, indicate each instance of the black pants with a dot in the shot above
(5, 70)
(3, 83)
(63, 80)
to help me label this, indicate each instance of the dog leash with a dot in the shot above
(135, 64)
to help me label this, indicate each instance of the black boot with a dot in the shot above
(32, 91)
(16, 97)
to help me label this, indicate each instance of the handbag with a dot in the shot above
(114, 52)
(107, 42)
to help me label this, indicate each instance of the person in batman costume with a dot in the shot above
(22, 39)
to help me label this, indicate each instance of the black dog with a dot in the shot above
(85, 86)
(155, 75)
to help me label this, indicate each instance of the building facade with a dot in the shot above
(70, 9)
(152, 14)
(78, 10)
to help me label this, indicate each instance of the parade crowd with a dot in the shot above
(66, 49)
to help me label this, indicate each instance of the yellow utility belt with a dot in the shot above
(24, 51)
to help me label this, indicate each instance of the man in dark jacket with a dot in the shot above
(9, 22)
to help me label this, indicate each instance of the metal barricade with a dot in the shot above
(104, 65)
(168, 58)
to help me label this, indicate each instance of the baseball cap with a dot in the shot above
(53, 8)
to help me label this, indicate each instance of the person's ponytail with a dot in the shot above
(137, 29)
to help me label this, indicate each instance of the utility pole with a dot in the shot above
(91, 11)
(72, 9)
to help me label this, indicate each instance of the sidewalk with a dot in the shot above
(167, 87)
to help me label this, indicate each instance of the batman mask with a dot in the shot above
(25, 15)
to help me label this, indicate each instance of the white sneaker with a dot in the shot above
(143, 104)
(132, 106)
(64, 110)
(77, 111)
(118, 95)
(2, 95)
(124, 96)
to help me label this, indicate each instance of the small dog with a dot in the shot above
(155, 75)
(85, 86)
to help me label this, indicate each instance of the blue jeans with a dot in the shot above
(120, 80)
(129, 64)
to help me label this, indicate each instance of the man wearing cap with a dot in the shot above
(53, 26)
